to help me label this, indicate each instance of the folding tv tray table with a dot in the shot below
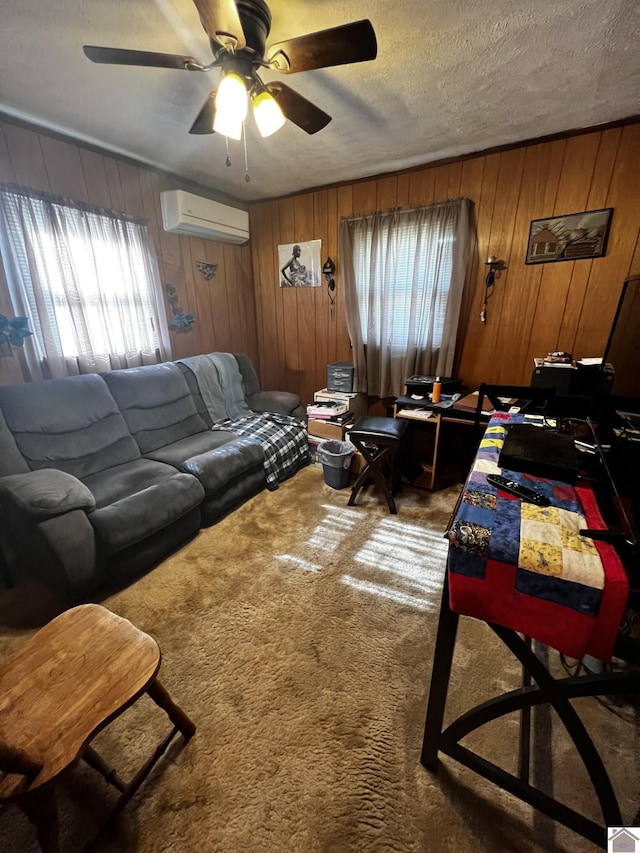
(491, 575)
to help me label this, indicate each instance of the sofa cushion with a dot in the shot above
(249, 376)
(217, 468)
(141, 514)
(196, 396)
(175, 454)
(11, 460)
(281, 402)
(72, 424)
(115, 483)
(156, 403)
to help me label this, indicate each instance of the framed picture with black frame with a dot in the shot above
(571, 237)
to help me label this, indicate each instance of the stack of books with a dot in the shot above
(325, 394)
(542, 362)
(355, 401)
(328, 410)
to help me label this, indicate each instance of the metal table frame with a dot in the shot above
(555, 691)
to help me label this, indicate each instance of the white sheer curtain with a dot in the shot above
(403, 274)
(88, 281)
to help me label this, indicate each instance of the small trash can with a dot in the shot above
(336, 461)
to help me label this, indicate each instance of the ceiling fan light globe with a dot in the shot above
(267, 113)
(231, 98)
(227, 126)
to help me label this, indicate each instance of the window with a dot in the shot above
(86, 279)
(411, 262)
(403, 274)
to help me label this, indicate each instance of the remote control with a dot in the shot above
(529, 495)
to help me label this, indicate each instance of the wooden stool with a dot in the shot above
(378, 439)
(63, 686)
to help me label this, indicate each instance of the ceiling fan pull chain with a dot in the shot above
(247, 176)
(227, 162)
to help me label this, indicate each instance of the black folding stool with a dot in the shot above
(378, 439)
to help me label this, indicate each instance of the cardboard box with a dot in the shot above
(325, 429)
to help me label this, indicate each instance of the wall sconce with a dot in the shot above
(495, 267)
(328, 271)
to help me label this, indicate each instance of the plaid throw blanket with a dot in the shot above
(527, 567)
(283, 439)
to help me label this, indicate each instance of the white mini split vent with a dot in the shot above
(194, 216)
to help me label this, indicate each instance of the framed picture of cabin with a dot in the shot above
(570, 237)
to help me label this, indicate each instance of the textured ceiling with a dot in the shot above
(451, 77)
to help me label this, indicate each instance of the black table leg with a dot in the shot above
(440, 674)
(547, 690)
(524, 746)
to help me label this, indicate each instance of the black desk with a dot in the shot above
(538, 687)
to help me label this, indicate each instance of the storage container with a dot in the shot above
(340, 376)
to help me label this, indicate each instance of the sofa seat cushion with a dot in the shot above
(139, 499)
(123, 480)
(177, 453)
(217, 468)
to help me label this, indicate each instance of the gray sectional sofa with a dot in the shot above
(102, 476)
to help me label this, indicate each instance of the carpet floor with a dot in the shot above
(298, 634)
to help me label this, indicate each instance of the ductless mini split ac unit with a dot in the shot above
(194, 216)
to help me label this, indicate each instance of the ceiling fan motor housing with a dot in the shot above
(255, 17)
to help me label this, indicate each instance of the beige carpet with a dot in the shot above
(298, 633)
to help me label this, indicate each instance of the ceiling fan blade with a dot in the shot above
(297, 109)
(221, 22)
(120, 56)
(204, 119)
(342, 45)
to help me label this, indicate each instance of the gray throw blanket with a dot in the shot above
(220, 382)
(231, 384)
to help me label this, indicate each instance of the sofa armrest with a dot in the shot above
(59, 552)
(217, 468)
(281, 402)
(45, 493)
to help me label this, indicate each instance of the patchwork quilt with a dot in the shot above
(527, 567)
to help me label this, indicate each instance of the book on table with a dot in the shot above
(326, 409)
(325, 395)
(420, 414)
(343, 418)
(470, 404)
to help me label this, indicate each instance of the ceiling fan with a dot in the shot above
(238, 31)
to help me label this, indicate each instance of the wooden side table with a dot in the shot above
(432, 421)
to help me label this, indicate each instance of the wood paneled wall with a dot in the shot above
(293, 333)
(224, 306)
(567, 305)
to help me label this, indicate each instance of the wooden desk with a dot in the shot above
(433, 418)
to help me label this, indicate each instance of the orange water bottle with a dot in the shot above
(437, 388)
